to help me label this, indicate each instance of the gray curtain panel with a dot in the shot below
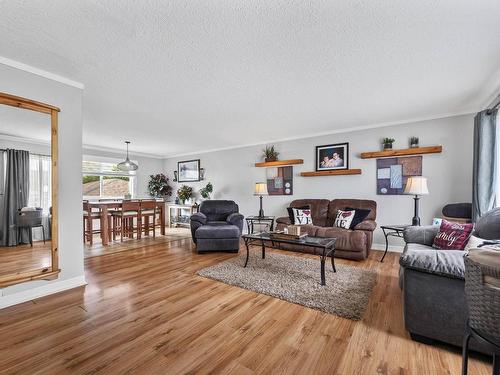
(484, 163)
(16, 195)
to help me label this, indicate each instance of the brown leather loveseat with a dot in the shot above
(351, 244)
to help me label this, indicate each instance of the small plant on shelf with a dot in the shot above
(414, 142)
(270, 154)
(387, 142)
(207, 190)
(158, 186)
(184, 193)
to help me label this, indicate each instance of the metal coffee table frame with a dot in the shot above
(326, 247)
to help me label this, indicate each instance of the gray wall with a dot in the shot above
(69, 99)
(449, 174)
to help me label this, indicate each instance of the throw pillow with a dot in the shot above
(344, 219)
(300, 215)
(474, 243)
(452, 236)
(360, 214)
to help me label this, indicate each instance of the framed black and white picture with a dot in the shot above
(188, 170)
(331, 157)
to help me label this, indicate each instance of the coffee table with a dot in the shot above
(321, 246)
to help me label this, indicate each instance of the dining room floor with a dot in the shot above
(97, 248)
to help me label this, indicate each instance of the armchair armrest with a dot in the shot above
(423, 235)
(199, 217)
(368, 225)
(283, 220)
(236, 219)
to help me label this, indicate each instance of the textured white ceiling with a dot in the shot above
(185, 76)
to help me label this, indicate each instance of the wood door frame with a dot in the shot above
(52, 272)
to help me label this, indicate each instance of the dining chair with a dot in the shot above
(89, 215)
(123, 220)
(149, 210)
(29, 219)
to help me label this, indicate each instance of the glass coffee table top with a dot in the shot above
(306, 241)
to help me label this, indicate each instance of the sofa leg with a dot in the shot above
(422, 339)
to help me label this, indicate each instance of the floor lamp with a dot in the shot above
(260, 191)
(416, 186)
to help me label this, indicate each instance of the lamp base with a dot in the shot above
(416, 219)
(261, 211)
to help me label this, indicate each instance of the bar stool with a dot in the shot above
(149, 210)
(482, 293)
(123, 220)
(88, 222)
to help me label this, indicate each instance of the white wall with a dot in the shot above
(69, 99)
(147, 167)
(449, 174)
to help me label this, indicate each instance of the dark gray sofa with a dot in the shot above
(217, 226)
(433, 284)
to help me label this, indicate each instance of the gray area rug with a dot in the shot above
(297, 279)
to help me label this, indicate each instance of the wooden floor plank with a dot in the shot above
(145, 311)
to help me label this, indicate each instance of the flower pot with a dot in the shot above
(270, 159)
(387, 146)
(414, 145)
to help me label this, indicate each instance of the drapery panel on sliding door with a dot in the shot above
(484, 174)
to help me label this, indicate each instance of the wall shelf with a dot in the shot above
(402, 152)
(336, 172)
(278, 163)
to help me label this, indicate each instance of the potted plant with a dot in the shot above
(158, 186)
(413, 142)
(270, 154)
(387, 142)
(185, 192)
(206, 191)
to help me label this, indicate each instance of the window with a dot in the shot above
(40, 194)
(102, 179)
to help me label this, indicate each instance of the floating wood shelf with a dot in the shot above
(402, 152)
(277, 163)
(336, 172)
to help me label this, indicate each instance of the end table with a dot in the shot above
(267, 220)
(392, 231)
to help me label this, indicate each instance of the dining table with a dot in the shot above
(105, 206)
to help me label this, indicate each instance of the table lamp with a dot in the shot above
(260, 191)
(416, 186)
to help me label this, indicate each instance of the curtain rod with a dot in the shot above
(31, 153)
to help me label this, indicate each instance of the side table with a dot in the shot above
(392, 231)
(267, 220)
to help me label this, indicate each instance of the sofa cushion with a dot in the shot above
(360, 215)
(319, 209)
(341, 204)
(218, 230)
(488, 225)
(420, 234)
(218, 210)
(346, 239)
(449, 263)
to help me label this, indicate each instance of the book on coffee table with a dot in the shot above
(280, 235)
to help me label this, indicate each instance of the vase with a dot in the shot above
(414, 145)
(387, 146)
(267, 160)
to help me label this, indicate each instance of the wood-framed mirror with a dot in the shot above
(28, 190)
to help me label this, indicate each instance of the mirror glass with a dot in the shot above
(25, 193)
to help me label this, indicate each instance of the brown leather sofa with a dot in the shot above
(351, 244)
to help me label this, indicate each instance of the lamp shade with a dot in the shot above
(260, 188)
(416, 185)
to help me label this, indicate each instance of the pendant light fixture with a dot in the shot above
(127, 165)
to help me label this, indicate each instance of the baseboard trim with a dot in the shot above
(41, 291)
(392, 248)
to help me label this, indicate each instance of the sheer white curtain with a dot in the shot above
(40, 182)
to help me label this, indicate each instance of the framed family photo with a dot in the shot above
(334, 156)
(188, 170)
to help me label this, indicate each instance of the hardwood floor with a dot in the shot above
(145, 311)
(24, 258)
